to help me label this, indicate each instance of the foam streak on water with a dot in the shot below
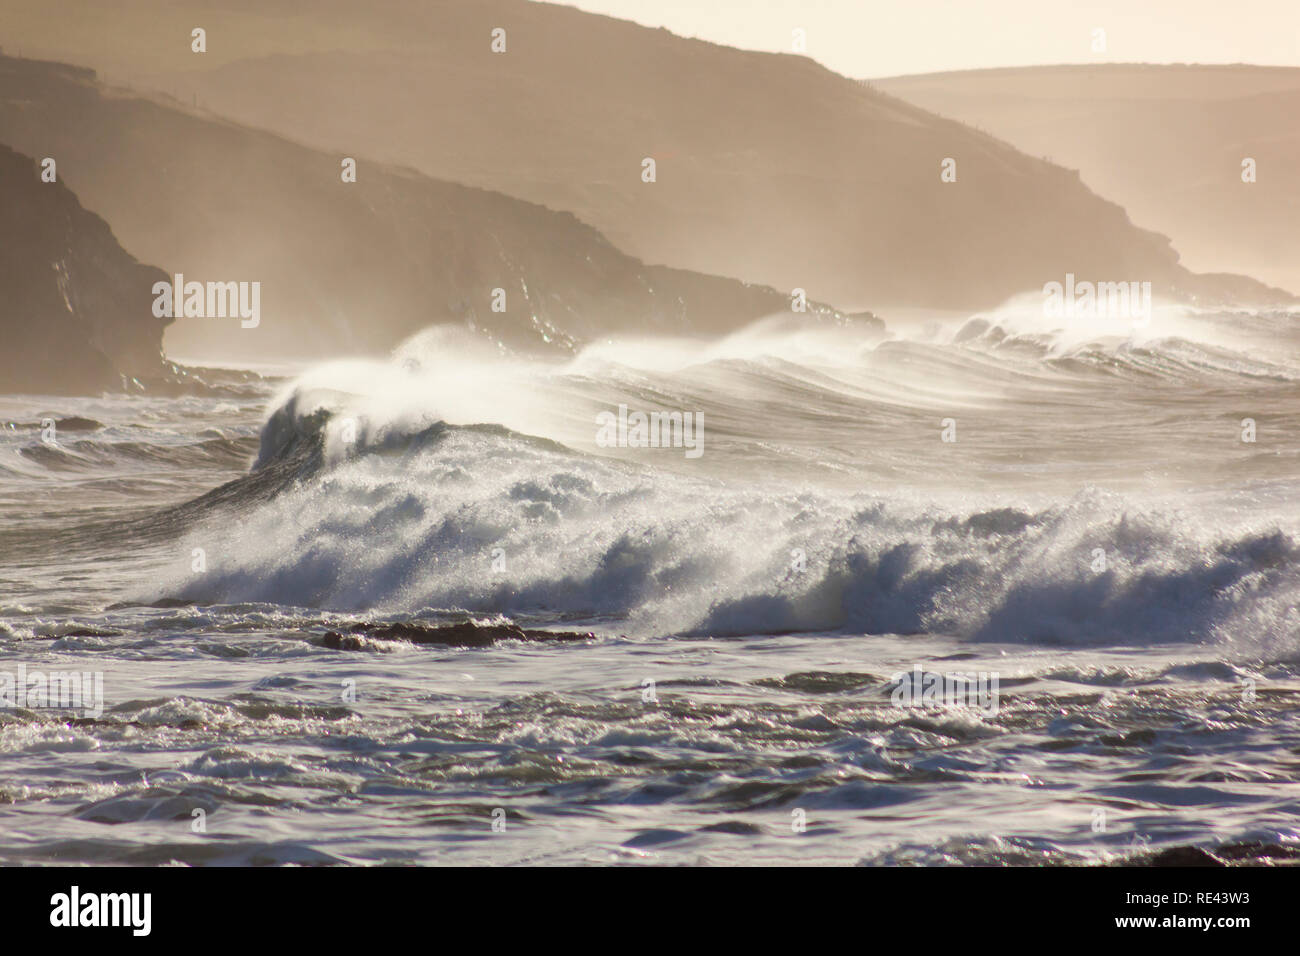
(1099, 535)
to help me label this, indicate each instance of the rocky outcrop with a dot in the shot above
(76, 310)
(368, 636)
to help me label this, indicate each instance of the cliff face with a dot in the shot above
(771, 168)
(76, 310)
(343, 266)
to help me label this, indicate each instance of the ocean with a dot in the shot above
(418, 610)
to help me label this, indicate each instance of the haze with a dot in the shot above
(876, 38)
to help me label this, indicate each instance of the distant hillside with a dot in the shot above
(1165, 141)
(343, 266)
(75, 309)
(770, 168)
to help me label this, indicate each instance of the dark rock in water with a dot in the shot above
(77, 424)
(1180, 856)
(464, 634)
(1259, 852)
(1229, 854)
(76, 310)
(343, 642)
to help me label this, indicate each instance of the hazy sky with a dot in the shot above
(871, 38)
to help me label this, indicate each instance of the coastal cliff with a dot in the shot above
(75, 307)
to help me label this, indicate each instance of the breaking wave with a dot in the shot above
(450, 478)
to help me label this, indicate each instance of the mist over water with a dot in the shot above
(491, 432)
(1098, 533)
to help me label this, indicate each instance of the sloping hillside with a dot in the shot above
(342, 266)
(1165, 141)
(770, 168)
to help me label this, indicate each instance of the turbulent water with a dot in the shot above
(1079, 512)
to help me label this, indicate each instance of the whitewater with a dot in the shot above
(412, 610)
